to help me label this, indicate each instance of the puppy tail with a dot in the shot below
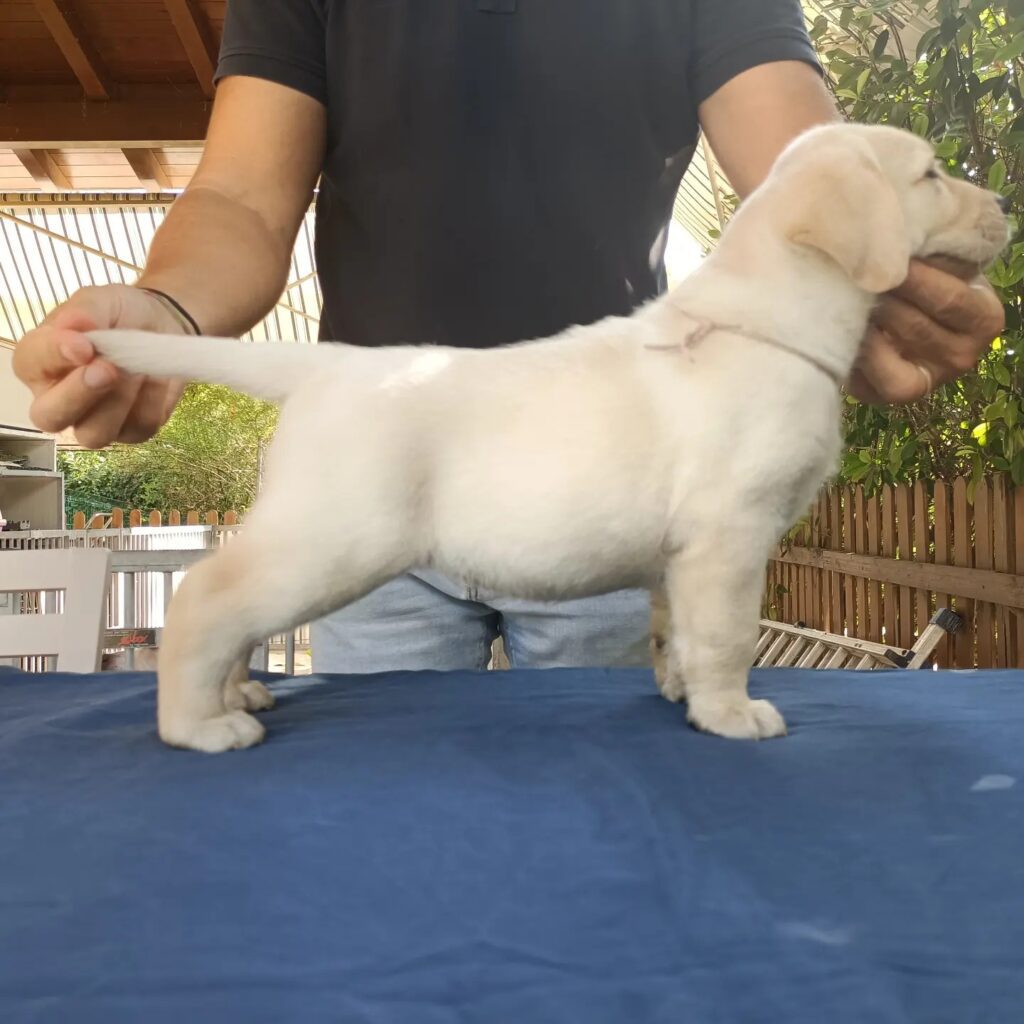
(270, 371)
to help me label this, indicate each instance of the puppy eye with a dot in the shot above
(932, 172)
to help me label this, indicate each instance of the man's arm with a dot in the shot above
(225, 248)
(223, 253)
(754, 116)
(933, 328)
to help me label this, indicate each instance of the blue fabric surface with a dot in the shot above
(516, 847)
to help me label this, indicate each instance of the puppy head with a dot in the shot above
(871, 197)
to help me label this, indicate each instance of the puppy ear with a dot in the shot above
(844, 206)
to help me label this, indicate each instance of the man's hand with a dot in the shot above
(936, 326)
(74, 389)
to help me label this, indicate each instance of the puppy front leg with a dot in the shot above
(714, 594)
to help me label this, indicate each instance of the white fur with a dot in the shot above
(592, 461)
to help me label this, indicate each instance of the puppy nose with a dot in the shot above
(1004, 203)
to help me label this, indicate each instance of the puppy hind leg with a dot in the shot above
(253, 588)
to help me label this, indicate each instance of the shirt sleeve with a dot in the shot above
(282, 41)
(732, 36)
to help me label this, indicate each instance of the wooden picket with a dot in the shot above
(119, 518)
(878, 567)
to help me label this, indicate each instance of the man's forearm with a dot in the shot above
(218, 259)
(752, 118)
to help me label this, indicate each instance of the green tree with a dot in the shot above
(959, 85)
(206, 457)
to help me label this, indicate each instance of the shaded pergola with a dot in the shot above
(53, 244)
(104, 108)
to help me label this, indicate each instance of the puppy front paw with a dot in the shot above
(234, 731)
(736, 718)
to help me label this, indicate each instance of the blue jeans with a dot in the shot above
(425, 621)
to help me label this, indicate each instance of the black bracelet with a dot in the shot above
(177, 307)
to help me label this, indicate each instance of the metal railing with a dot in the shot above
(147, 564)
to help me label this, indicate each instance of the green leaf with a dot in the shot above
(996, 86)
(1012, 49)
(997, 175)
(919, 125)
(1001, 373)
(880, 43)
(1017, 469)
(926, 41)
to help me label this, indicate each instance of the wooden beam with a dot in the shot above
(147, 168)
(44, 170)
(977, 584)
(145, 117)
(67, 32)
(63, 201)
(195, 35)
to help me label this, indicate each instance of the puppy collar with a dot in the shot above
(703, 327)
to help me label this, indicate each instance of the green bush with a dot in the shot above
(205, 458)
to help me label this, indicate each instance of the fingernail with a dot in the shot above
(74, 353)
(98, 375)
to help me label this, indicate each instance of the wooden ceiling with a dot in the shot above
(105, 94)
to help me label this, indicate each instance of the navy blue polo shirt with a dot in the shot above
(499, 169)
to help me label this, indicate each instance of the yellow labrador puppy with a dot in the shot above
(674, 446)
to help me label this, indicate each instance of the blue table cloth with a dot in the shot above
(516, 847)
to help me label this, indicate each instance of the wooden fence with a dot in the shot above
(876, 568)
(118, 519)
